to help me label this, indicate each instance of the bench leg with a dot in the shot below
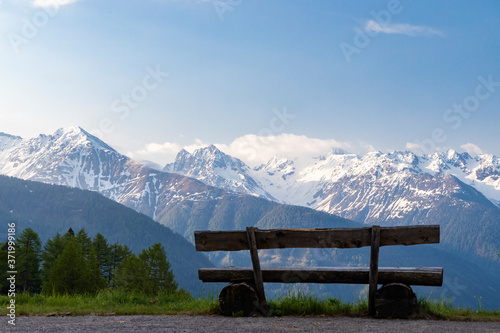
(239, 298)
(395, 300)
(373, 277)
(257, 273)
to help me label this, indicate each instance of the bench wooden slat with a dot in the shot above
(315, 238)
(418, 276)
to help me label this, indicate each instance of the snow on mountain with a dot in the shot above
(482, 172)
(215, 168)
(73, 157)
(385, 172)
(70, 157)
(367, 188)
(8, 141)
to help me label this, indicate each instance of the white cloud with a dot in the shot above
(366, 147)
(52, 3)
(255, 150)
(160, 148)
(425, 150)
(160, 153)
(472, 149)
(163, 153)
(413, 146)
(196, 145)
(401, 29)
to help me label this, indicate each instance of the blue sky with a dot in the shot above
(152, 76)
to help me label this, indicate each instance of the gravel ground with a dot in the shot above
(215, 324)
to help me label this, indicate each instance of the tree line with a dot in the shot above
(74, 263)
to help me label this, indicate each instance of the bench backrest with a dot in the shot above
(253, 239)
(315, 238)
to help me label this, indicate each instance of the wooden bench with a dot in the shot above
(387, 301)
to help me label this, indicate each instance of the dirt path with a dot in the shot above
(215, 324)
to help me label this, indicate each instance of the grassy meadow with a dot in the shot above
(115, 302)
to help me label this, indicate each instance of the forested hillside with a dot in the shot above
(49, 209)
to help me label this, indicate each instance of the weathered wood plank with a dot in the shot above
(416, 276)
(410, 235)
(283, 238)
(373, 275)
(315, 238)
(257, 273)
(220, 240)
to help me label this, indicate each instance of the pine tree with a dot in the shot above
(51, 250)
(85, 242)
(96, 281)
(70, 273)
(131, 274)
(103, 253)
(158, 272)
(28, 261)
(119, 253)
(148, 273)
(70, 234)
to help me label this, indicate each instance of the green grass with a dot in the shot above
(299, 304)
(112, 302)
(442, 309)
(117, 302)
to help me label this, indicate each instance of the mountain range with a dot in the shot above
(311, 182)
(459, 192)
(208, 189)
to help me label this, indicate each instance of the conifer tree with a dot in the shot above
(69, 273)
(131, 274)
(96, 281)
(119, 253)
(85, 242)
(28, 261)
(158, 272)
(103, 253)
(148, 273)
(51, 250)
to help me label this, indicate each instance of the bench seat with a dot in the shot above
(418, 276)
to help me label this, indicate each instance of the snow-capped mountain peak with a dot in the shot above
(316, 182)
(69, 156)
(8, 141)
(337, 182)
(73, 157)
(215, 168)
(78, 136)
